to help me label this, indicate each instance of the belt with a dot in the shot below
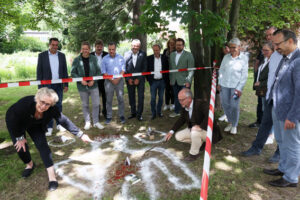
(157, 79)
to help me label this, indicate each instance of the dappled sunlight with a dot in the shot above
(255, 195)
(71, 100)
(231, 159)
(238, 171)
(142, 128)
(260, 187)
(59, 153)
(223, 166)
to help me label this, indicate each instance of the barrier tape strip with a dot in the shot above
(207, 156)
(68, 80)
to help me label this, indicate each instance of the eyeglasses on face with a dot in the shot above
(279, 43)
(44, 103)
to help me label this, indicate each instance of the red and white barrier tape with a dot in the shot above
(68, 80)
(206, 164)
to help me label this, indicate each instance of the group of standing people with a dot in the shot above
(111, 64)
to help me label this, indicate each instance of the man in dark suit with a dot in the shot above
(52, 65)
(285, 97)
(195, 114)
(136, 61)
(157, 62)
(99, 53)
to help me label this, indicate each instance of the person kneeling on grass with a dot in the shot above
(32, 114)
(195, 114)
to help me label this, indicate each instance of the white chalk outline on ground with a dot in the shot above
(146, 171)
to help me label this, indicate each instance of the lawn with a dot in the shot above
(94, 171)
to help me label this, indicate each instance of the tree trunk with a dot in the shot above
(197, 50)
(136, 21)
(233, 19)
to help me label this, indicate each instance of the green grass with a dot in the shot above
(231, 177)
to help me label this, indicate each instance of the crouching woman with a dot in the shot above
(31, 114)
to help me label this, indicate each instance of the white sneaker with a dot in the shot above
(172, 107)
(270, 139)
(87, 125)
(228, 128)
(223, 118)
(174, 115)
(165, 107)
(98, 125)
(233, 130)
(60, 128)
(49, 132)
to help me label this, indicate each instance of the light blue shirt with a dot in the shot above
(273, 64)
(54, 65)
(233, 72)
(113, 66)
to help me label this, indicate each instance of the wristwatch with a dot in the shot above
(20, 138)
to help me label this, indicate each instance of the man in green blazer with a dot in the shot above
(180, 59)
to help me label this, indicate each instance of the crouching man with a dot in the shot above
(195, 114)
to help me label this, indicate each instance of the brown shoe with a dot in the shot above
(191, 158)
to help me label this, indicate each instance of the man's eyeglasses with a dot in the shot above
(279, 43)
(181, 100)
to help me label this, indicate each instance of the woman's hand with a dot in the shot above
(85, 138)
(90, 83)
(84, 83)
(257, 83)
(20, 144)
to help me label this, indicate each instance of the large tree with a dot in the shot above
(17, 15)
(91, 19)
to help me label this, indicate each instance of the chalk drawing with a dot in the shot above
(95, 174)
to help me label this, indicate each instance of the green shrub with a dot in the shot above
(31, 44)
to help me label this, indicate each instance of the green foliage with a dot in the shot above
(211, 24)
(90, 20)
(257, 15)
(31, 44)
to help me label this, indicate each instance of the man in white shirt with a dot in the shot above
(99, 53)
(156, 62)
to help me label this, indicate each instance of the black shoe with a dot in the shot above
(53, 185)
(132, 116)
(250, 152)
(282, 183)
(254, 125)
(153, 117)
(191, 158)
(273, 172)
(27, 172)
(160, 115)
(140, 118)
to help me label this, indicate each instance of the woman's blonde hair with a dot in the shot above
(44, 91)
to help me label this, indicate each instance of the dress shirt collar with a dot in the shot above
(49, 53)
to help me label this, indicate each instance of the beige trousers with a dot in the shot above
(195, 138)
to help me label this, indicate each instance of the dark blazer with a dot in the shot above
(43, 71)
(261, 90)
(20, 117)
(141, 64)
(150, 67)
(199, 117)
(104, 53)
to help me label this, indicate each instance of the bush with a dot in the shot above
(31, 44)
(23, 44)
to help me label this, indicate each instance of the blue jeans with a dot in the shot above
(230, 105)
(264, 128)
(290, 152)
(157, 87)
(176, 89)
(58, 88)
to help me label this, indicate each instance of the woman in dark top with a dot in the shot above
(169, 95)
(31, 114)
